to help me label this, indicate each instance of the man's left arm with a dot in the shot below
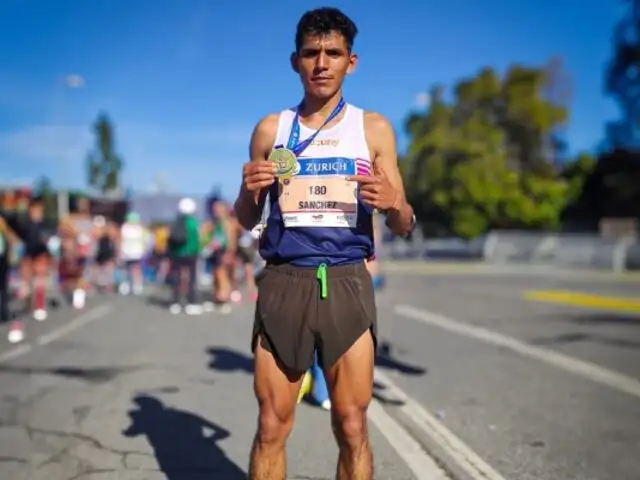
(382, 144)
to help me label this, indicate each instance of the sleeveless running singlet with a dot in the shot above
(316, 216)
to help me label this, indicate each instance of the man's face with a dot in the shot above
(322, 63)
(36, 211)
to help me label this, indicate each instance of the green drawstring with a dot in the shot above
(321, 275)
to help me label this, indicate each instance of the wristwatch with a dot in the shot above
(413, 226)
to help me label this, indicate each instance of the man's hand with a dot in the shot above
(376, 190)
(257, 175)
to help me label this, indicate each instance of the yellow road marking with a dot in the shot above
(585, 300)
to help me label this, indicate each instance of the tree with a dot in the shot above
(44, 188)
(622, 79)
(104, 165)
(489, 157)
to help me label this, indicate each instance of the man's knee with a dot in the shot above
(350, 424)
(273, 426)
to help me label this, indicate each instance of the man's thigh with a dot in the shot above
(285, 302)
(348, 329)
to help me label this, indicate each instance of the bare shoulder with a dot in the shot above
(375, 122)
(264, 135)
(379, 131)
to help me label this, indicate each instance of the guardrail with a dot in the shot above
(588, 251)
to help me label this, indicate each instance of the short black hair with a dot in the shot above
(325, 20)
(36, 200)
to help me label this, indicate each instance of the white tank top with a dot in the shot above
(346, 139)
(133, 241)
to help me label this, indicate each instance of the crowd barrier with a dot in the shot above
(570, 250)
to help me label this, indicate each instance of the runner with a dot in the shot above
(315, 292)
(244, 261)
(373, 265)
(134, 242)
(105, 254)
(8, 243)
(78, 237)
(184, 249)
(220, 239)
(34, 271)
(160, 254)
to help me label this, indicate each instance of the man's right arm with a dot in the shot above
(248, 204)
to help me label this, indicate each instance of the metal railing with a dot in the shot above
(589, 251)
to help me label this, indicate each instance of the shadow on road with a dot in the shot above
(91, 375)
(227, 360)
(568, 338)
(184, 443)
(605, 319)
(385, 359)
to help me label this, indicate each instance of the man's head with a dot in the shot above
(217, 207)
(323, 56)
(36, 208)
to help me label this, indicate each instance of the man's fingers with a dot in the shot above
(362, 179)
(259, 167)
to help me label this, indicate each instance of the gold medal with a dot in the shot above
(285, 161)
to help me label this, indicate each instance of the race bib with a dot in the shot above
(319, 195)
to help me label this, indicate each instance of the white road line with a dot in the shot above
(15, 352)
(407, 448)
(588, 370)
(56, 334)
(452, 451)
(74, 324)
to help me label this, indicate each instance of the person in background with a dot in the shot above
(34, 270)
(373, 265)
(160, 240)
(8, 243)
(184, 250)
(134, 242)
(103, 275)
(77, 233)
(220, 240)
(246, 253)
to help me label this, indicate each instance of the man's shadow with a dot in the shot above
(228, 360)
(386, 359)
(184, 443)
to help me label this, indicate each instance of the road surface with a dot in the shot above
(508, 375)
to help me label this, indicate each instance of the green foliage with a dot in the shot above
(488, 157)
(44, 188)
(104, 165)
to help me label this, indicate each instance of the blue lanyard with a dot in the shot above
(294, 136)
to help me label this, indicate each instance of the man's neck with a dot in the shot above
(313, 107)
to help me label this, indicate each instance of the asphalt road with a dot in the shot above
(492, 384)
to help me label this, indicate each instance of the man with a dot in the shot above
(184, 248)
(315, 292)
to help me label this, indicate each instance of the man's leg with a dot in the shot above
(283, 349)
(276, 392)
(350, 382)
(348, 330)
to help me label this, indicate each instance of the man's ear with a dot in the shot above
(294, 62)
(353, 63)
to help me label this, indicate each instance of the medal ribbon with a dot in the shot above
(294, 136)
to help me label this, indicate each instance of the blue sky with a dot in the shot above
(185, 81)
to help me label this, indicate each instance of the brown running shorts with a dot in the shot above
(292, 321)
